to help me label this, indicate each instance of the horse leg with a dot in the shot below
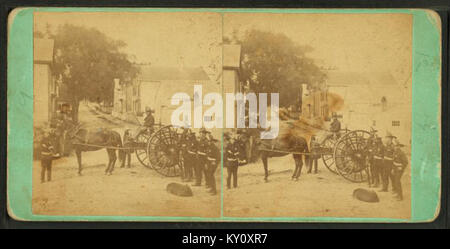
(294, 175)
(109, 162)
(298, 167)
(122, 157)
(78, 153)
(265, 164)
(113, 162)
(309, 163)
(128, 157)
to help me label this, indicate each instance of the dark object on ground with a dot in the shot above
(179, 189)
(365, 195)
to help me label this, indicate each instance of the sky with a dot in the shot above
(350, 42)
(163, 39)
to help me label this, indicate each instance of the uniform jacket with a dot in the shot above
(231, 153)
(202, 147)
(378, 150)
(389, 152)
(46, 148)
(400, 159)
(149, 121)
(191, 147)
(213, 154)
(315, 146)
(183, 141)
(335, 126)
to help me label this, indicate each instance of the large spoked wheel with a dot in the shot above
(327, 153)
(351, 156)
(141, 148)
(163, 152)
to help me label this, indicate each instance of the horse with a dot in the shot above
(282, 146)
(95, 139)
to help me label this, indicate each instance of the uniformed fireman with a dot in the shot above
(184, 139)
(47, 152)
(190, 157)
(400, 163)
(335, 126)
(314, 157)
(149, 120)
(231, 154)
(202, 147)
(388, 162)
(374, 177)
(213, 159)
(128, 142)
(377, 161)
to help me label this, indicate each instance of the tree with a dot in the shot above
(271, 62)
(86, 61)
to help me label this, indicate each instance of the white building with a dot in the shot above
(373, 100)
(154, 88)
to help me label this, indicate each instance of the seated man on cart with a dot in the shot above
(149, 120)
(335, 126)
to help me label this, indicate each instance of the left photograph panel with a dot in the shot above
(106, 87)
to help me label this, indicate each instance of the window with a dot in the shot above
(395, 123)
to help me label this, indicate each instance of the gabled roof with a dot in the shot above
(340, 78)
(43, 50)
(155, 73)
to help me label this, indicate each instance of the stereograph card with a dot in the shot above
(281, 115)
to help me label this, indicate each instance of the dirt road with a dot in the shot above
(139, 191)
(324, 194)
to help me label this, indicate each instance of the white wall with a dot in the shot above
(362, 109)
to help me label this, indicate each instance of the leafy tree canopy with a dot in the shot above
(271, 62)
(87, 62)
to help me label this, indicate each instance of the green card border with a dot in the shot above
(426, 117)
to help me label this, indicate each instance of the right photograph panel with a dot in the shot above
(342, 144)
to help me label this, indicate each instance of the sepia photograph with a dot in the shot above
(213, 115)
(103, 87)
(344, 142)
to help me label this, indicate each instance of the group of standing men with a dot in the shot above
(387, 163)
(53, 143)
(201, 157)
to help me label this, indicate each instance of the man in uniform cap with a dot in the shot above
(373, 149)
(149, 120)
(190, 156)
(213, 159)
(335, 126)
(400, 163)
(128, 142)
(47, 151)
(315, 146)
(231, 159)
(388, 161)
(202, 148)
